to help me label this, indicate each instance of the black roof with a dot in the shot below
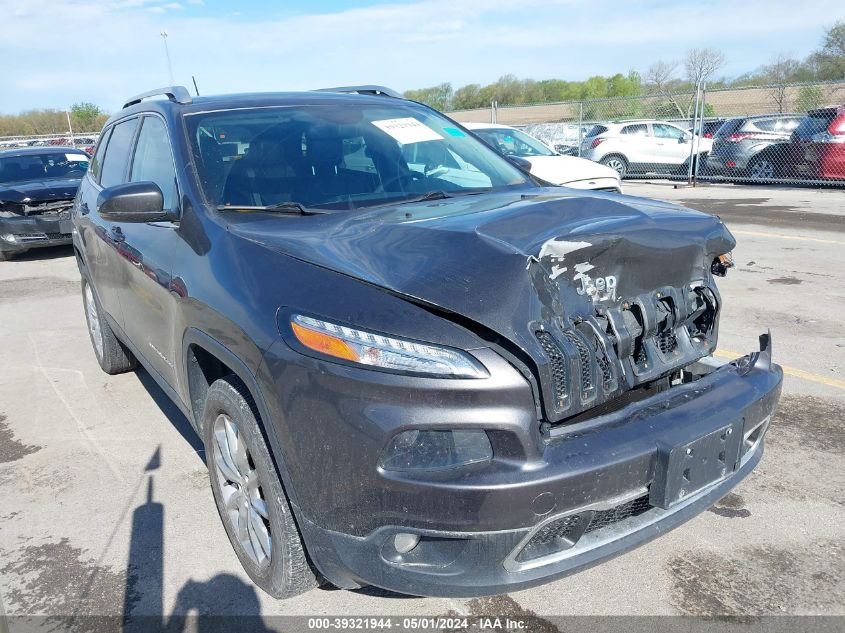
(41, 149)
(251, 100)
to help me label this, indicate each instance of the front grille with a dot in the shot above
(666, 342)
(603, 518)
(58, 236)
(564, 532)
(557, 366)
(587, 385)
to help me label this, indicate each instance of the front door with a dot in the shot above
(672, 145)
(148, 298)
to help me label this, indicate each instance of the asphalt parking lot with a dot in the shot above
(105, 506)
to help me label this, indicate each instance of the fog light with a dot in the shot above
(433, 450)
(404, 543)
(8, 237)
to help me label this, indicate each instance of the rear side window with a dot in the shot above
(639, 129)
(97, 161)
(153, 160)
(779, 125)
(117, 153)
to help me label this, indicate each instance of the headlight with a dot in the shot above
(433, 450)
(8, 237)
(385, 352)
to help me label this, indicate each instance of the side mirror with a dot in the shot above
(684, 138)
(132, 202)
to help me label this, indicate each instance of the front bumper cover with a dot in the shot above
(594, 464)
(34, 231)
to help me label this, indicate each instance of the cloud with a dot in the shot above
(403, 45)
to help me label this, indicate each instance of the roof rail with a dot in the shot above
(177, 94)
(364, 90)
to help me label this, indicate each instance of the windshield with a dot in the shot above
(46, 166)
(339, 157)
(510, 142)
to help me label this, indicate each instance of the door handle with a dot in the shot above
(117, 234)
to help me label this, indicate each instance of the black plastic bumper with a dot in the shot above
(606, 461)
(34, 231)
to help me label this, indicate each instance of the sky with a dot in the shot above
(54, 53)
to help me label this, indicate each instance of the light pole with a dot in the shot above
(167, 55)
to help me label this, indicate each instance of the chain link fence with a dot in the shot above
(83, 140)
(784, 133)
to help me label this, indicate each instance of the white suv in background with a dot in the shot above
(642, 146)
(545, 163)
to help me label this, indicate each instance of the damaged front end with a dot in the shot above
(27, 224)
(625, 316)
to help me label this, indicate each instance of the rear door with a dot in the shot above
(149, 294)
(637, 143)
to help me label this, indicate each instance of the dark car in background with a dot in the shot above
(440, 378)
(37, 187)
(709, 128)
(753, 147)
(817, 148)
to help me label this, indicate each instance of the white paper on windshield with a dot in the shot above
(407, 130)
(75, 158)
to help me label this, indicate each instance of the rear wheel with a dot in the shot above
(112, 355)
(616, 163)
(249, 495)
(762, 168)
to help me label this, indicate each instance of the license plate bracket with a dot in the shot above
(684, 469)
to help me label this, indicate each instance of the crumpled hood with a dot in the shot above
(39, 190)
(562, 170)
(507, 259)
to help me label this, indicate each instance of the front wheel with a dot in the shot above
(249, 495)
(616, 163)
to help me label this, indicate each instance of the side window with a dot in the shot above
(97, 161)
(153, 160)
(639, 129)
(661, 130)
(117, 153)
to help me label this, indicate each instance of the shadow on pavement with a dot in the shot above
(222, 603)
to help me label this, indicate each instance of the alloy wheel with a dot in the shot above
(92, 316)
(616, 165)
(241, 490)
(763, 169)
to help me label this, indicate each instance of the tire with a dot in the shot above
(112, 355)
(617, 163)
(762, 168)
(6, 256)
(250, 499)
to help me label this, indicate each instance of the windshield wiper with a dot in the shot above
(431, 195)
(291, 208)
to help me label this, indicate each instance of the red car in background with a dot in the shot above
(818, 144)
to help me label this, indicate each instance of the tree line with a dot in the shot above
(664, 79)
(84, 117)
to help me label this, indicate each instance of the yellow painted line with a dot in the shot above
(790, 371)
(800, 238)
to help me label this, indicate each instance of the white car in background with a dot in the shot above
(643, 146)
(544, 162)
